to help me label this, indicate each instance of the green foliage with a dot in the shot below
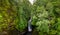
(14, 14)
(23, 11)
(41, 22)
(7, 15)
(45, 17)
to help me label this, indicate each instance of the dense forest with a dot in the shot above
(15, 14)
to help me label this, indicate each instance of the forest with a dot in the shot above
(44, 15)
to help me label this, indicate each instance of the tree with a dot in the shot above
(45, 16)
(23, 10)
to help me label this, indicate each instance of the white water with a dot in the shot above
(32, 1)
(29, 26)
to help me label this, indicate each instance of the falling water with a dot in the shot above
(29, 26)
(32, 1)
